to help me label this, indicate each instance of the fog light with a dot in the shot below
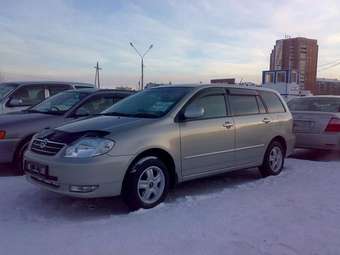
(83, 188)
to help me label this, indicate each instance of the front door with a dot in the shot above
(207, 143)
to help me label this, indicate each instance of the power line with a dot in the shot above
(330, 66)
(329, 63)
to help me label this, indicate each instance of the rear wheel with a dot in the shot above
(273, 160)
(147, 184)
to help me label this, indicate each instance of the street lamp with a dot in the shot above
(142, 61)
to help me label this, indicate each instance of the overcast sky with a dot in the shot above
(193, 40)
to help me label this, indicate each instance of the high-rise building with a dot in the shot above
(297, 54)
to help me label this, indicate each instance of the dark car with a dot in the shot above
(18, 96)
(17, 128)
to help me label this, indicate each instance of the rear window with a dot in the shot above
(273, 102)
(317, 104)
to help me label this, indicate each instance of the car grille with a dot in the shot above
(46, 147)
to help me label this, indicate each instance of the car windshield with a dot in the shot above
(317, 104)
(59, 103)
(150, 103)
(6, 88)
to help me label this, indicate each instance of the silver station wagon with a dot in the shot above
(150, 141)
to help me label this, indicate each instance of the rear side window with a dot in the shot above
(243, 105)
(273, 102)
(261, 105)
(55, 89)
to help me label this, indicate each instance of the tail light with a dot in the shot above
(2, 134)
(333, 125)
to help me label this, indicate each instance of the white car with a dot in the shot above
(316, 122)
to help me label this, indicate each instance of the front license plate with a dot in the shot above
(36, 168)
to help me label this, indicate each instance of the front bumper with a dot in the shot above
(106, 172)
(318, 141)
(7, 149)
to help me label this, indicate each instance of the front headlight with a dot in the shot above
(89, 147)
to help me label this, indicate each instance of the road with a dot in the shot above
(296, 212)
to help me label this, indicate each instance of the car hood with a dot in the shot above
(104, 123)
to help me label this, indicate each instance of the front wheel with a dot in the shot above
(147, 184)
(273, 160)
(19, 159)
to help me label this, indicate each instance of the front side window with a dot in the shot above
(6, 88)
(272, 101)
(60, 103)
(150, 103)
(27, 96)
(214, 105)
(243, 105)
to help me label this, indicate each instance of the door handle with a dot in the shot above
(266, 120)
(227, 124)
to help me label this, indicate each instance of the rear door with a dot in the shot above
(252, 124)
(207, 143)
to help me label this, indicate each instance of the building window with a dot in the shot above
(281, 77)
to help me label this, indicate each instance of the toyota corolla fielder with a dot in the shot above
(156, 138)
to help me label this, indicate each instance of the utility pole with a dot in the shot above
(142, 62)
(96, 77)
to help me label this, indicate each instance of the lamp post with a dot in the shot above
(142, 62)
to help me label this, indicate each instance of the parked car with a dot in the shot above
(161, 136)
(17, 96)
(316, 122)
(17, 128)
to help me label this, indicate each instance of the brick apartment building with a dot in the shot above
(298, 54)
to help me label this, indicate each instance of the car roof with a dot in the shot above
(318, 96)
(98, 91)
(49, 83)
(200, 86)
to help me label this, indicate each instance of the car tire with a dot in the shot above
(273, 161)
(19, 159)
(146, 184)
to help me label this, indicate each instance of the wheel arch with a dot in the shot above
(22, 142)
(163, 155)
(282, 141)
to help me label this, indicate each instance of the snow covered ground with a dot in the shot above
(297, 212)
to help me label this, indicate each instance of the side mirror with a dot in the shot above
(194, 112)
(15, 102)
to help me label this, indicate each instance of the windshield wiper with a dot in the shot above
(45, 112)
(133, 115)
(116, 114)
(145, 115)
